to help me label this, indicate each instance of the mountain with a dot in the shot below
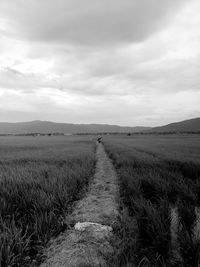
(52, 127)
(192, 125)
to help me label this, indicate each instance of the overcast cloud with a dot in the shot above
(130, 62)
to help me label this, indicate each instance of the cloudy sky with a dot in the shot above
(130, 62)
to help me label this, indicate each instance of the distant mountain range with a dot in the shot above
(68, 128)
(192, 125)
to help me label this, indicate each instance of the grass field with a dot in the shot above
(160, 191)
(40, 178)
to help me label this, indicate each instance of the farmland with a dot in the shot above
(160, 199)
(40, 178)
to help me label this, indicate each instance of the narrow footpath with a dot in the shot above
(87, 243)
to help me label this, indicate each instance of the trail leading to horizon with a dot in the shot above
(89, 246)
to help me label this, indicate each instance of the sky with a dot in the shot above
(130, 62)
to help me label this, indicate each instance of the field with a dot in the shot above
(160, 199)
(40, 178)
(159, 224)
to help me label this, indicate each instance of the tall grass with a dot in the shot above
(152, 181)
(39, 182)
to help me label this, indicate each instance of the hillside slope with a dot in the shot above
(192, 125)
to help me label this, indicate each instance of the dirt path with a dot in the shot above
(88, 244)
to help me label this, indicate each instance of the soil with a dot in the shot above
(91, 246)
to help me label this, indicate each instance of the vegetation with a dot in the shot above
(40, 178)
(158, 174)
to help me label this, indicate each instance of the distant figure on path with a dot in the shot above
(99, 139)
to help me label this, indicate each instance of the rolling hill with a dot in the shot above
(192, 125)
(52, 127)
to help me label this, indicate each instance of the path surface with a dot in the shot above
(76, 248)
